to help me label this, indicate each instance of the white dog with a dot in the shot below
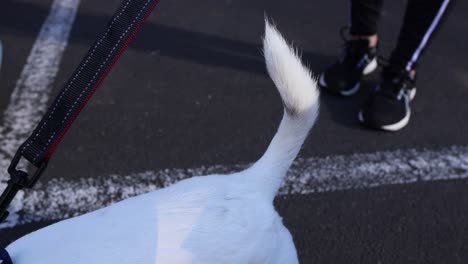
(211, 219)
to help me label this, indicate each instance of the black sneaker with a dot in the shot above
(388, 108)
(344, 76)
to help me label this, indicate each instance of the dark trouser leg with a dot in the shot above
(364, 16)
(422, 18)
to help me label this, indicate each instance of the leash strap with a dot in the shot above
(90, 73)
(4, 256)
(85, 80)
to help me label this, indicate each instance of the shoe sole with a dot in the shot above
(398, 125)
(372, 66)
(393, 127)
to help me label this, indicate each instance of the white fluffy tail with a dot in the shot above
(300, 97)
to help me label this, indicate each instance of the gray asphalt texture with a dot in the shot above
(191, 90)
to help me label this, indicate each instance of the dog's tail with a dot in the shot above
(300, 97)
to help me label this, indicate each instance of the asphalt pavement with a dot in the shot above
(192, 91)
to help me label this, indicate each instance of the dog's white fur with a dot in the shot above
(210, 219)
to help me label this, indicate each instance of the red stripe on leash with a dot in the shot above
(103, 76)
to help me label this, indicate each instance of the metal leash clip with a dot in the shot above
(18, 180)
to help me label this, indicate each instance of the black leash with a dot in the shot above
(92, 70)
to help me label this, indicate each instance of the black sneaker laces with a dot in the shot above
(396, 82)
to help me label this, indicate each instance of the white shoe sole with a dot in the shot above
(398, 125)
(367, 70)
(393, 127)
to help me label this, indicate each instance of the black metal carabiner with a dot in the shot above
(18, 180)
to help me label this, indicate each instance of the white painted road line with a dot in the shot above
(60, 198)
(30, 96)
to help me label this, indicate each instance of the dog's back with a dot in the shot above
(209, 219)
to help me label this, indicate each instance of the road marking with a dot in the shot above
(30, 96)
(59, 198)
